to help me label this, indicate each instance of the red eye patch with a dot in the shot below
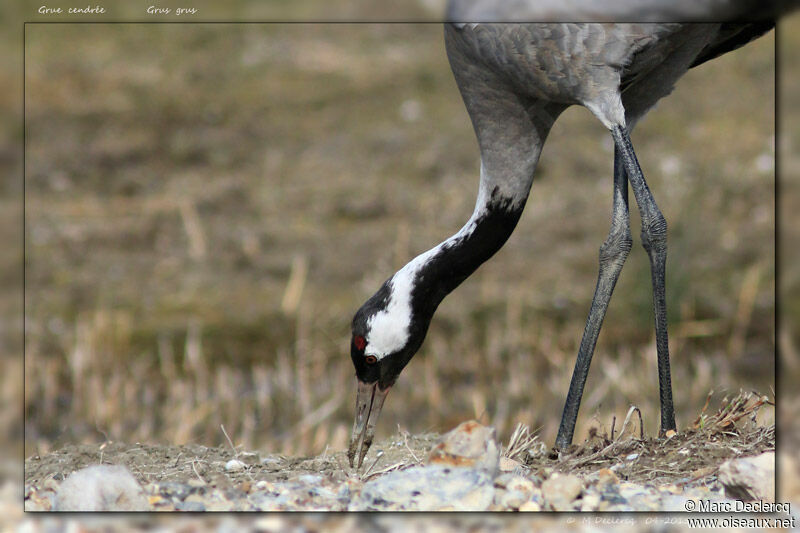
(359, 342)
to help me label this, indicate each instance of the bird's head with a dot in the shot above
(386, 333)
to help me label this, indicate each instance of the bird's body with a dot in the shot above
(515, 80)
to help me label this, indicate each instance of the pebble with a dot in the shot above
(530, 506)
(273, 462)
(509, 465)
(192, 507)
(432, 488)
(101, 488)
(197, 483)
(235, 465)
(263, 485)
(249, 458)
(422, 488)
(749, 478)
(513, 482)
(606, 477)
(560, 490)
(470, 444)
(513, 499)
(175, 491)
(590, 502)
(464, 473)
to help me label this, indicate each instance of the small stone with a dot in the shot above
(308, 479)
(471, 444)
(249, 458)
(513, 499)
(235, 465)
(632, 457)
(749, 478)
(514, 482)
(157, 501)
(271, 462)
(509, 465)
(220, 506)
(175, 491)
(191, 507)
(430, 488)
(606, 477)
(196, 483)
(590, 502)
(37, 501)
(561, 490)
(195, 498)
(530, 506)
(101, 488)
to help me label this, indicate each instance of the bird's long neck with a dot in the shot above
(431, 276)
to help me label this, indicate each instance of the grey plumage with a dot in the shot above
(616, 10)
(515, 80)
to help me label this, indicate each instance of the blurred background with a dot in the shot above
(207, 206)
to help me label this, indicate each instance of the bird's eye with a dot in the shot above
(371, 359)
(359, 342)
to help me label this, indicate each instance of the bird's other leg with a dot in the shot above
(613, 253)
(654, 240)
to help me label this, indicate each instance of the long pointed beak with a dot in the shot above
(369, 403)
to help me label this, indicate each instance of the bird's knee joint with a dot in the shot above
(616, 248)
(654, 234)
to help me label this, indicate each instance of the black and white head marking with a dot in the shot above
(394, 321)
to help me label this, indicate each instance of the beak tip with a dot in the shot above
(369, 402)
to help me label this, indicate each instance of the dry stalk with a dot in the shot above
(520, 442)
(194, 230)
(294, 287)
(230, 442)
(628, 418)
(405, 443)
(744, 312)
(396, 466)
(731, 411)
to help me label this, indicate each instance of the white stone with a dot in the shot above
(101, 488)
(561, 490)
(749, 478)
(235, 465)
(472, 445)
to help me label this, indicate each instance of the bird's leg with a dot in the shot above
(613, 253)
(654, 240)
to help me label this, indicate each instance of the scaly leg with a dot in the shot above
(654, 240)
(613, 253)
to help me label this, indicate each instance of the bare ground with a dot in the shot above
(690, 456)
(686, 459)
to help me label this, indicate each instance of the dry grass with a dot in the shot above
(208, 205)
(735, 430)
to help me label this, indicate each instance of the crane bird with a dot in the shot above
(515, 80)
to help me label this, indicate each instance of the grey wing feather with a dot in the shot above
(466, 11)
(731, 37)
